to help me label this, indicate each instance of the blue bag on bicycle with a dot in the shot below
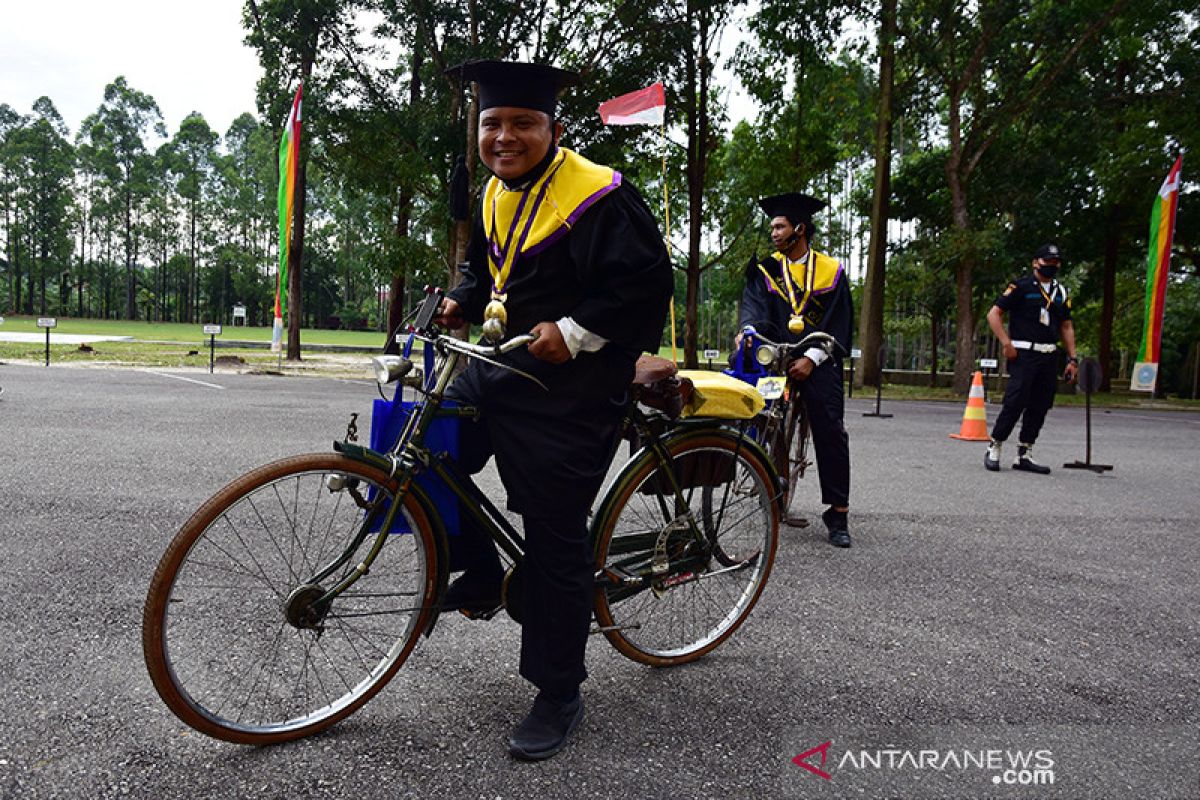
(388, 418)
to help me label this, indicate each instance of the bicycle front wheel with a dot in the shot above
(792, 457)
(236, 638)
(679, 574)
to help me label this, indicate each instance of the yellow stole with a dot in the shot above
(816, 274)
(526, 221)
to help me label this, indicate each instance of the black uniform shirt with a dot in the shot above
(1024, 300)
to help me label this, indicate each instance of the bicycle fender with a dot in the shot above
(683, 430)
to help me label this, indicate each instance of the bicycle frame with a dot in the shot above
(409, 457)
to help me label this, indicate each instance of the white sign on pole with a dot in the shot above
(709, 355)
(212, 330)
(855, 352)
(988, 363)
(47, 322)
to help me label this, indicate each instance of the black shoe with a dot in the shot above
(839, 530)
(1025, 462)
(991, 459)
(546, 729)
(471, 593)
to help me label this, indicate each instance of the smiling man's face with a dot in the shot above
(513, 140)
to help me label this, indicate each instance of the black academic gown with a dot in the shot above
(611, 274)
(829, 311)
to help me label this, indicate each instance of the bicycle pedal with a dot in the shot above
(480, 614)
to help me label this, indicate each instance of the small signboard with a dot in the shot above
(710, 355)
(855, 352)
(212, 330)
(988, 363)
(239, 311)
(47, 322)
(771, 387)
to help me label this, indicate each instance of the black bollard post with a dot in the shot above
(879, 386)
(1089, 381)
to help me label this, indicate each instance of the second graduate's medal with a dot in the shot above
(495, 318)
(796, 324)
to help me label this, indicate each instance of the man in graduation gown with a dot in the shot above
(567, 250)
(790, 294)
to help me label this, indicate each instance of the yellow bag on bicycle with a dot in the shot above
(720, 396)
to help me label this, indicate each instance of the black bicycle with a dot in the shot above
(294, 594)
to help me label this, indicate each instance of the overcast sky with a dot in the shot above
(187, 56)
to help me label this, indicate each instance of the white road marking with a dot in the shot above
(181, 378)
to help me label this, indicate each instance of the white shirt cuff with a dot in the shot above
(816, 355)
(578, 338)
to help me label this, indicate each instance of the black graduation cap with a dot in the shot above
(516, 83)
(793, 205)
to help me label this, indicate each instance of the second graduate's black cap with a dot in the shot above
(516, 83)
(793, 205)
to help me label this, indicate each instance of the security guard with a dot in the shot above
(790, 294)
(565, 249)
(1039, 313)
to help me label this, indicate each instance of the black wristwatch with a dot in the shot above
(1073, 360)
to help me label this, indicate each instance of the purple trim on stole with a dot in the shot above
(574, 216)
(833, 285)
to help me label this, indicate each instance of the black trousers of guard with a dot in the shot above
(822, 393)
(552, 466)
(1032, 381)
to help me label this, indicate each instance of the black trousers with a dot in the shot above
(822, 393)
(1032, 381)
(552, 466)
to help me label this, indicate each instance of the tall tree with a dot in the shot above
(870, 323)
(191, 157)
(989, 66)
(117, 132)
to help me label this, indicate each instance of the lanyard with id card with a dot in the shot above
(1044, 313)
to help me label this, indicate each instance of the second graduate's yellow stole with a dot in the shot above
(798, 281)
(523, 222)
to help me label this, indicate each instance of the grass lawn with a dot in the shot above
(169, 344)
(188, 333)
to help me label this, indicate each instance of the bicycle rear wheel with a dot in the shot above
(235, 642)
(666, 598)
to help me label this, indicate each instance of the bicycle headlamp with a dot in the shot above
(764, 354)
(390, 368)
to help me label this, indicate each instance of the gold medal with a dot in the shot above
(495, 318)
(796, 324)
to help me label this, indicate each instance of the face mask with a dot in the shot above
(1048, 271)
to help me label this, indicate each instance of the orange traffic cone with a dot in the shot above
(974, 421)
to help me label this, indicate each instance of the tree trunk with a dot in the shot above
(130, 309)
(870, 322)
(964, 321)
(1112, 240)
(697, 70)
(296, 250)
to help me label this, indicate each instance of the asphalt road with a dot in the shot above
(979, 618)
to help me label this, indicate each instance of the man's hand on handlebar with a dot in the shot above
(801, 368)
(549, 345)
(450, 315)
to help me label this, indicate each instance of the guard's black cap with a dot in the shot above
(516, 83)
(793, 205)
(1048, 252)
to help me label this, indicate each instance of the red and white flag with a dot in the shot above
(643, 107)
